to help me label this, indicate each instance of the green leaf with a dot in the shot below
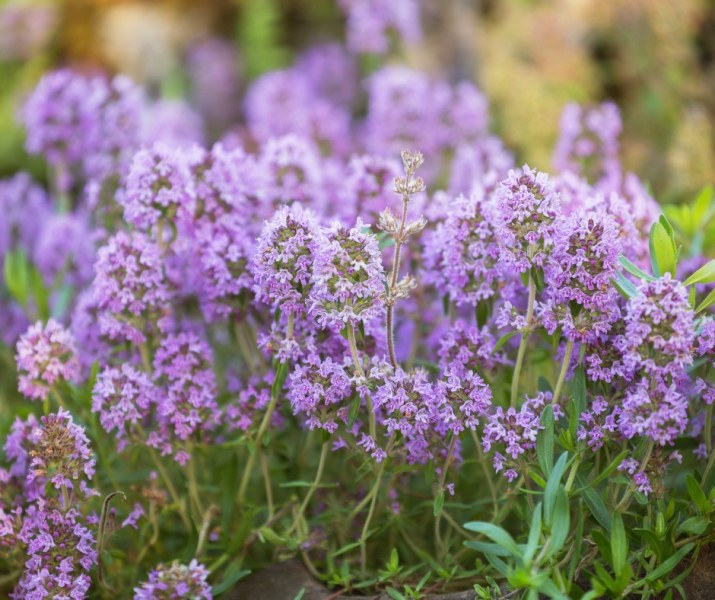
(604, 473)
(552, 486)
(300, 594)
(694, 525)
(231, 575)
(354, 411)
(707, 302)
(634, 269)
(652, 540)
(532, 544)
(663, 251)
(503, 340)
(624, 286)
(697, 495)
(705, 274)
(595, 504)
(619, 544)
(545, 441)
(496, 534)
(394, 594)
(667, 566)
(487, 548)
(562, 520)
(438, 503)
(16, 272)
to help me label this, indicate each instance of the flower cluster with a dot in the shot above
(349, 276)
(174, 582)
(46, 356)
(369, 23)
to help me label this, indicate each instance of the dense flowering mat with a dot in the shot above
(352, 330)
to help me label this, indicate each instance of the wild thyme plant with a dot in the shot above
(453, 374)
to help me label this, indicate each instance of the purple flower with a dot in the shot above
(183, 367)
(60, 554)
(176, 582)
(66, 246)
(483, 162)
(46, 355)
(527, 208)
(159, 186)
(599, 423)
(366, 188)
(130, 288)
(659, 335)
(581, 298)
(466, 348)
(123, 397)
(653, 408)
(370, 23)
(173, 122)
(61, 454)
(282, 265)
(349, 276)
(463, 258)
(588, 143)
(331, 72)
(24, 206)
(25, 29)
(319, 390)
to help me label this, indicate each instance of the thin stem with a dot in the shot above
(265, 469)
(170, 487)
(203, 533)
(312, 489)
(709, 428)
(193, 484)
(146, 361)
(248, 470)
(564, 369)
(526, 332)
(442, 480)
(373, 494)
(399, 240)
(487, 474)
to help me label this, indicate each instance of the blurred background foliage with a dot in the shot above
(654, 58)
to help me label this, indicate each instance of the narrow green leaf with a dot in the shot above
(562, 520)
(545, 441)
(697, 494)
(667, 566)
(354, 410)
(663, 251)
(534, 532)
(231, 575)
(487, 548)
(438, 503)
(394, 594)
(624, 286)
(619, 544)
(705, 274)
(707, 302)
(503, 340)
(595, 504)
(496, 534)
(552, 486)
(694, 525)
(634, 270)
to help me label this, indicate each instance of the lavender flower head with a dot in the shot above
(464, 258)
(159, 185)
(46, 355)
(581, 297)
(466, 348)
(371, 22)
(129, 287)
(588, 144)
(183, 365)
(659, 336)
(62, 454)
(123, 397)
(176, 582)
(319, 389)
(60, 554)
(367, 187)
(349, 277)
(282, 265)
(23, 204)
(60, 117)
(527, 208)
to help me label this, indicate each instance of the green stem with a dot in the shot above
(442, 480)
(526, 332)
(399, 240)
(564, 370)
(361, 373)
(193, 485)
(312, 489)
(248, 470)
(709, 428)
(265, 469)
(487, 474)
